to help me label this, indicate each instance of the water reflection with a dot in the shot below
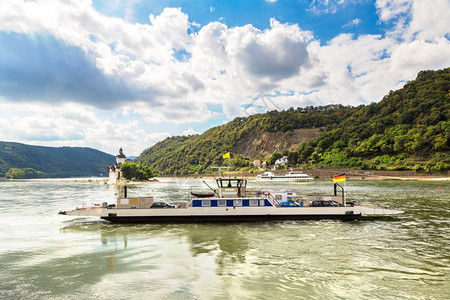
(227, 243)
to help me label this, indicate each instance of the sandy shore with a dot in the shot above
(403, 178)
(316, 174)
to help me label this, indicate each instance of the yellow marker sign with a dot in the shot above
(226, 155)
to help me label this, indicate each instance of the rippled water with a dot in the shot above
(48, 256)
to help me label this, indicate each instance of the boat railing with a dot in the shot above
(252, 193)
(266, 194)
(272, 199)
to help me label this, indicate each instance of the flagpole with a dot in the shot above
(340, 178)
(225, 156)
(229, 164)
(345, 192)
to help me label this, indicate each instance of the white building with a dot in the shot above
(280, 162)
(114, 169)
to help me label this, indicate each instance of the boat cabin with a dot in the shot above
(231, 187)
(232, 192)
(283, 196)
(230, 202)
(140, 202)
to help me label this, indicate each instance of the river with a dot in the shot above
(44, 255)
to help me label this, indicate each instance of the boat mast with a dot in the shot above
(220, 168)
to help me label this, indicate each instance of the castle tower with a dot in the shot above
(120, 158)
(114, 170)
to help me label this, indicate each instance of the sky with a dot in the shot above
(129, 73)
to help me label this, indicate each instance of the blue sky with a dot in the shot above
(110, 74)
(326, 19)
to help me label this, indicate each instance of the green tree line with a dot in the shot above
(25, 173)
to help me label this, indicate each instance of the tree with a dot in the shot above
(439, 142)
(274, 157)
(25, 173)
(133, 171)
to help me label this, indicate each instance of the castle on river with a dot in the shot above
(114, 169)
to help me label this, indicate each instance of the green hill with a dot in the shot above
(196, 153)
(409, 129)
(38, 161)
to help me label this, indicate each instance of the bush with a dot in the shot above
(133, 171)
(26, 173)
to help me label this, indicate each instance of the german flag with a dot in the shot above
(339, 178)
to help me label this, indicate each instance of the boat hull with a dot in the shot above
(224, 219)
(228, 214)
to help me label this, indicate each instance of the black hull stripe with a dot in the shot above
(223, 219)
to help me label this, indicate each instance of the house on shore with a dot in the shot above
(281, 162)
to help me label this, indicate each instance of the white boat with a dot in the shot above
(269, 176)
(232, 203)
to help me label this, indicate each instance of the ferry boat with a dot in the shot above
(269, 176)
(232, 202)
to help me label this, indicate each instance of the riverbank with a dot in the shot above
(325, 174)
(93, 180)
(320, 174)
(376, 175)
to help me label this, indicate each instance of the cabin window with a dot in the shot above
(253, 202)
(238, 202)
(228, 183)
(278, 197)
(261, 202)
(221, 202)
(206, 202)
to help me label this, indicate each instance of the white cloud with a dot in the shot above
(430, 21)
(153, 138)
(320, 7)
(277, 53)
(74, 125)
(409, 58)
(353, 23)
(392, 9)
(189, 131)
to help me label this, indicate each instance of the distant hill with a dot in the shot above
(409, 129)
(54, 162)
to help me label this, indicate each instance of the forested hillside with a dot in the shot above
(195, 154)
(409, 129)
(37, 161)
